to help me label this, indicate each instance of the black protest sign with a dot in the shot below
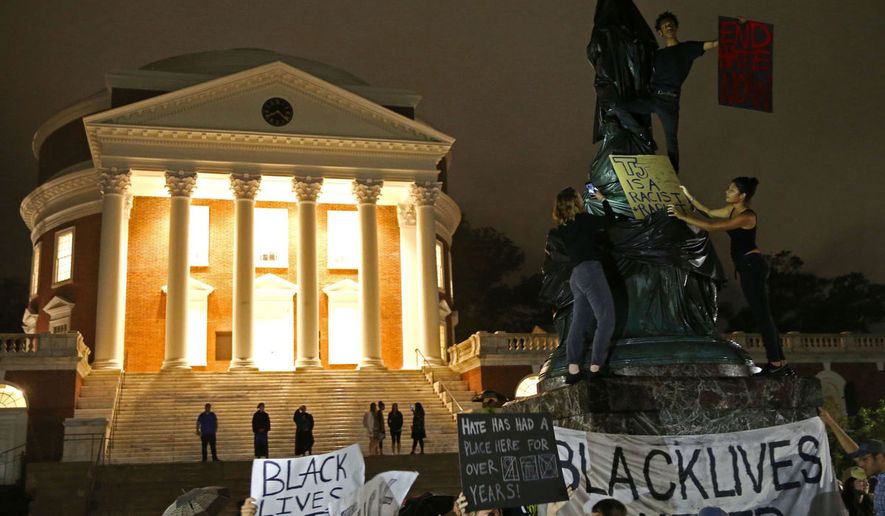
(508, 460)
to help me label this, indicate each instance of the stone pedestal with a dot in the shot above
(646, 405)
(84, 439)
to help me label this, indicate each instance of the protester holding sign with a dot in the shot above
(593, 300)
(739, 221)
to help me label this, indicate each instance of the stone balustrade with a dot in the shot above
(34, 351)
(502, 348)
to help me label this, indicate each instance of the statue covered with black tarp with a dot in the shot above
(663, 276)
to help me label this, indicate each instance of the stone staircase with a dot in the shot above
(85, 432)
(451, 389)
(156, 414)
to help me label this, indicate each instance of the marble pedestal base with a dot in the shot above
(676, 405)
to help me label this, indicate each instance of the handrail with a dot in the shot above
(113, 423)
(16, 458)
(441, 383)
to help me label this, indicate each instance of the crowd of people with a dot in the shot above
(374, 421)
(374, 424)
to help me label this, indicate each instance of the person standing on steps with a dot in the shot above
(207, 426)
(395, 424)
(379, 427)
(418, 432)
(303, 431)
(261, 427)
(369, 421)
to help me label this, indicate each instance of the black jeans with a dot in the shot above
(753, 271)
(210, 440)
(667, 109)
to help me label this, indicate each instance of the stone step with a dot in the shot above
(94, 413)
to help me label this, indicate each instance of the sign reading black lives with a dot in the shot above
(508, 460)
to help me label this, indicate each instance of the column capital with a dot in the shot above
(307, 188)
(245, 186)
(425, 193)
(405, 214)
(367, 191)
(113, 181)
(181, 183)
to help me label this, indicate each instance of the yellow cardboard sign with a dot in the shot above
(649, 183)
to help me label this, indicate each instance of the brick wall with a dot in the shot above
(148, 248)
(82, 290)
(503, 379)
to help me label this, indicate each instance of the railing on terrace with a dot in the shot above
(12, 463)
(43, 345)
(501, 346)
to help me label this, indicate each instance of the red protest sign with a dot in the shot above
(746, 52)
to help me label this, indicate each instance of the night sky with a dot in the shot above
(510, 81)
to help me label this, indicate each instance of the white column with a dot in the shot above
(367, 192)
(110, 304)
(409, 287)
(424, 195)
(180, 185)
(307, 189)
(244, 188)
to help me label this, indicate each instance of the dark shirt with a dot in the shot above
(580, 234)
(672, 65)
(207, 422)
(742, 242)
(303, 421)
(395, 421)
(260, 422)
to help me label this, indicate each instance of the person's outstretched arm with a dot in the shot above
(744, 219)
(710, 45)
(845, 441)
(710, 212)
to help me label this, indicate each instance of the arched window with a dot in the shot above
(528, 386)
(11, 397)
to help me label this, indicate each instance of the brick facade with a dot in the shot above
(146, 304)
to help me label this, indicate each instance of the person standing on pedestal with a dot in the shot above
(671, 67)
(261, 427)
(207, 426)
(303, 431)
(577, 230)
(739, 221)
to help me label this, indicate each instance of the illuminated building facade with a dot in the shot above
(243, 209)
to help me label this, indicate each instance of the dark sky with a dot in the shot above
(510, 81)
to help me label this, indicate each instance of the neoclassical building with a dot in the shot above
(243, 210)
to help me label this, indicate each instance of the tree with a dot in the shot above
(483, 260)
(802, 301)
(869, 423)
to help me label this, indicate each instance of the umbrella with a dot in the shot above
(202, 500)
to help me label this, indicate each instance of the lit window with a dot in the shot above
(271, 237)
(64, 255)
(440, 267)
(198, 236)
(528, 386)
(11, 397)
(343, 236)
(344, 329)
(35, 270)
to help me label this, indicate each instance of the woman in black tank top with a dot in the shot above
(739, 221)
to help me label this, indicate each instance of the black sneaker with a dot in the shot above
(571, 379)
(775, 371)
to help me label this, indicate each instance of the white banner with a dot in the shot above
(306, 485)
(381, 496)
(776, 471)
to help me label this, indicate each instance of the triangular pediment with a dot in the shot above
(275, 283)
(233, 104)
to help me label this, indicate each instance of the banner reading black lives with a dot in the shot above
(508, 460)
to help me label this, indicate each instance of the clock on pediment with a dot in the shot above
(277, 111)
